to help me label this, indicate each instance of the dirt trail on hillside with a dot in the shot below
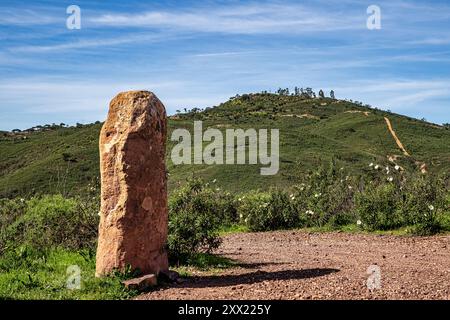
(301, 265)
(421, 165)
(366, 113)
(306, 115)
(394, 135)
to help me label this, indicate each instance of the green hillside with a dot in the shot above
(312, 131)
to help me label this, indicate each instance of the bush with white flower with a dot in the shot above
(327, 193)
(264, 211)
(402, 199)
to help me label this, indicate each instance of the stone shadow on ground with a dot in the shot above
(254, 277)
(257, 265)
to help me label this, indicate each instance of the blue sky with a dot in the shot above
(199, 53)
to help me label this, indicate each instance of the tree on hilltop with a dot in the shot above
(321, 94)
(332, 96)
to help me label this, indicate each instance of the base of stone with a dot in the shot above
(141, 283)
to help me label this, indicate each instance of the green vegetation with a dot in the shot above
(28, 273)
(48, 222)
(340, 169)
(42, 237)
(64, 160)
(204, 262)
(196, 214)
(382, 200)
(312, 132)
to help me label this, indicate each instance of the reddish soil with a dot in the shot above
(301, 265)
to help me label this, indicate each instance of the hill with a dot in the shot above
(312, 132)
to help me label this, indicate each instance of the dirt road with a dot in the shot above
(301, 265)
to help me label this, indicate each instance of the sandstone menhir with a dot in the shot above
(133, 214)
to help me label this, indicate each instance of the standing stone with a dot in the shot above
(133, 214)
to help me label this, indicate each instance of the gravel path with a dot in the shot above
(301, 265)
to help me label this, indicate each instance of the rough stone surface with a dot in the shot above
(142, 283)
(133, 214)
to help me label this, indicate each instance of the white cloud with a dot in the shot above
(412, 99)
(26, 17)
(224, 54)
(241, 19)
(407, 97)
(90, 43)
(46, 96)
(402, 85)
(443, 40)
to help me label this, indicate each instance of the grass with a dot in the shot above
(354, 228)
(27, 274)
(204, 263)
(349, 228)
(235, 228)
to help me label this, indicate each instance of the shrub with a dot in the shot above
(342, 219)
(195, 216)
(264, 211)
(10, 210)
(394, 199)
(423, 204)
(324, 194)
(53, 221)
(378, 207)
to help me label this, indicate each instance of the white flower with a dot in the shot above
(246, 220)
(377, 167)
(317, 195)
(217, 189)
(292, 197)
(431, 207)
(350, 187)
(387, 169)
(359, 222)
(214, 181)
(371, 164)
(397, 167)
(310, 212)
(390, 179)
(241, 216)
